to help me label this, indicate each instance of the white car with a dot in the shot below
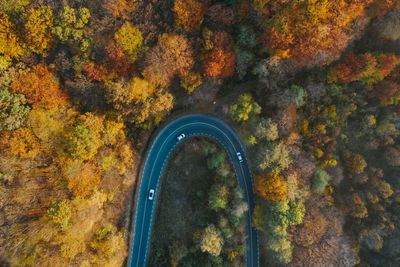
(239, 156)
(181, 136)
(151, 194)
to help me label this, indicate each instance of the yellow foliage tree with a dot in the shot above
(11, 46)
(39, 29)
(130, 39)
(21, 142)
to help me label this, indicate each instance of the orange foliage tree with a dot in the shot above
(94, 71)
(82, 178)
(364, 67)
(118, 61)
(119, 7)
(270, 186)
(309, 30)
(21, 142)
(188, 13)
(219, 61)
(386, 91)
(40, 87)
(173, 55)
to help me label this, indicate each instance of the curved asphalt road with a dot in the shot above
(165, 142)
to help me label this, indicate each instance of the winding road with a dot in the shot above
(161, 148)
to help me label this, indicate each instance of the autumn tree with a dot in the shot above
(270, 186)
(39, 86)
(69, 26)
(11, 46)
(274, 156)
(12, 7)
(219, 60)
(189, 13)
(109, 245)
(84, 139)
(354, 163)
(211, 240)
(130, 39)
(173, 55)
(119, 7)
(371, 239)
(191, 82)
(308, 31)
(70, 23)
(39, 29)
(138, 99)
(22, 143)
(364, 67)
(127, 93)
(13, 110)
(60, 212)
(118, 61)
(244, 108)
(82, 178)
(386, 91)
(94, 71)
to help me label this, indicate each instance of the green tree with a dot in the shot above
(177, 251)
(260, 69)
(60, 212)
(216, 160)
(69, 25)
(275, 157)
(320, 180)
(244, 108)
(13, 110)
(296, 212)
(243, 61)
(83, 143)
(246, 38)
(130, 39)
(297, 95)
(218, 197)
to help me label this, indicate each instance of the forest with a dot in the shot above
(311, 86)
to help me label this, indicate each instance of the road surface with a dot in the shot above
(161, 148)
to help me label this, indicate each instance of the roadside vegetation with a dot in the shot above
(201, 211)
